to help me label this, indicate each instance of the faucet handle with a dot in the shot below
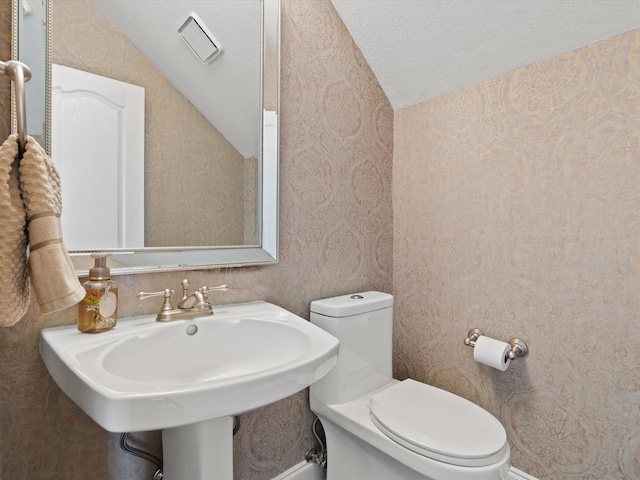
(206, 290)
(166, 293)
(220, 288)
(185, 289)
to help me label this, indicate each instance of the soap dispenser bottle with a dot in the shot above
(98, 311)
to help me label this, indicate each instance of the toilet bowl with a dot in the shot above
(378, 428)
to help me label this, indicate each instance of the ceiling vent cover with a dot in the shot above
(201, 41)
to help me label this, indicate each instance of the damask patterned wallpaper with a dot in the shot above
(517, 211)
(5, 84)
(335, 238)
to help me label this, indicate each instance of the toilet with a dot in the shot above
(378, 428)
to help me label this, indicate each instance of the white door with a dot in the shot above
(97, 145)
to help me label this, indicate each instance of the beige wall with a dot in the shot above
(335, 237)
(188, 163)
(517, 211)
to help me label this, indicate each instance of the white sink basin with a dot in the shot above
(146, 375)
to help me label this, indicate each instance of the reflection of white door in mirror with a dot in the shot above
(98, 116)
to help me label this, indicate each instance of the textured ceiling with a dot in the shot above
(420, 49)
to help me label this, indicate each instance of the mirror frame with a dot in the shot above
(166, 259)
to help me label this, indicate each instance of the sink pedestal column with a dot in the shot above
(200, 451)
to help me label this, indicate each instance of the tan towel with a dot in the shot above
(14, 281)
(53, 276)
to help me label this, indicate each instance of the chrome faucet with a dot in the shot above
(192, 305)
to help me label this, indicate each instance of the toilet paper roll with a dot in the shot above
(492, 352)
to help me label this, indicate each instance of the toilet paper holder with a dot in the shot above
(519, 349)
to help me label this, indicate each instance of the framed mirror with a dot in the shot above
(206, 73)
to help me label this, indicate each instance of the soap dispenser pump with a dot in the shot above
(98, 311)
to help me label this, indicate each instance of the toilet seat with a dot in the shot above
(438, 424)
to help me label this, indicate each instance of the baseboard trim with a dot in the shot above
(310, 471)
(302, 471)
(516, 474)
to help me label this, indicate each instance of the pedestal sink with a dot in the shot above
(188, 377)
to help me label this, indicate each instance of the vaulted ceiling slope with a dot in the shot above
(421, 49)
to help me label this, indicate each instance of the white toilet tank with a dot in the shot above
(363, 323)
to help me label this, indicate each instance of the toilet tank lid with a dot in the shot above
(352, 304)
